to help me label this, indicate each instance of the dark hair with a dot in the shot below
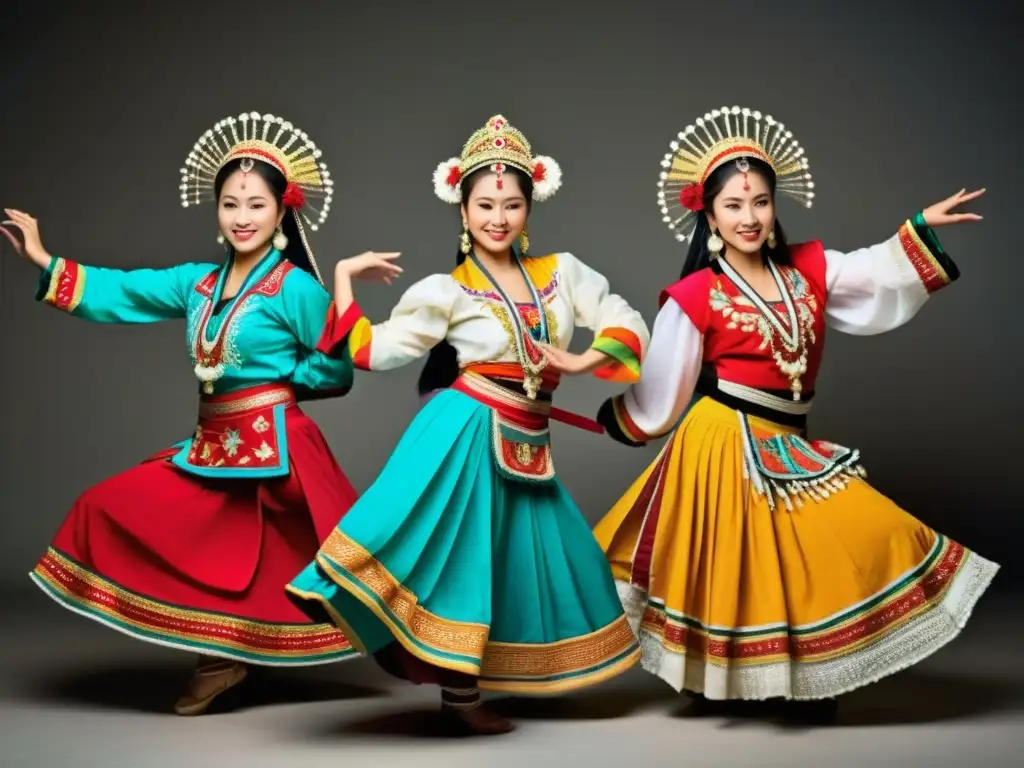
(295, 251)
(698, 256)
(442, 366)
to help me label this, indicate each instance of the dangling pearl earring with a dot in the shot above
(220, 238)
(771, 240)
(524, 242)
(280, 241)
(465, 246)
(715, 244)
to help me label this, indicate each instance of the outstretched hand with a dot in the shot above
(32, 247)
(940, 214)
(371, 266)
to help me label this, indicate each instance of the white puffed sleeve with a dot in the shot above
(878, 289)
(418, 322)
(652, 406)
(619, 330)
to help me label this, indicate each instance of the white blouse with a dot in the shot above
(462, 308)
(870, 291)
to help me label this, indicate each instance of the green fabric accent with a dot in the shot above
(617, 350)
(518, 436)
(931, 240)
(45, 277)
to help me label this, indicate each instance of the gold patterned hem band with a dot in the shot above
(465, 646)
(207, 632)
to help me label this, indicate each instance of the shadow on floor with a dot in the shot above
(914, 697)
(596, 705)
(154, 688)
(427, 723)
(421, 723)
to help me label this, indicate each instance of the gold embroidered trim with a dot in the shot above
(142, 613)
(496, 392)
(463, 638)
(576, 654)
(928, 268)
(66, 274)
(216, 409)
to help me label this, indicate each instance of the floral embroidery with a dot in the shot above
(261, 425)
(230, 441)
(201, 317)
(531, 317)
(264, 452)
(740, 313)
(490, 295)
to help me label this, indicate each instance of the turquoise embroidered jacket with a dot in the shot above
(268, 332)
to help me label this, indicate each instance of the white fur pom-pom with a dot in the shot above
(547, 177)
(446, 181)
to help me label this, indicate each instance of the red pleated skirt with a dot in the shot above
(199, 563)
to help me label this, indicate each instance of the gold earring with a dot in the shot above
(771, 240)
(464, 242)
(280, 240)
(524, 242)
(220, 238)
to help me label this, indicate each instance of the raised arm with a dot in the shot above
(878, 289)
(100, 294)
(620, 333)
(418, 322)
(651, 407)
(105, 295)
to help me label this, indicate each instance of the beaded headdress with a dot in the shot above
(497, 145)
(727, 135)
(253, 137)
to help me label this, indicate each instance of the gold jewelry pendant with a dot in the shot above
(524, 454)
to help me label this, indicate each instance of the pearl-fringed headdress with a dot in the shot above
(723, 135)
(267, 139)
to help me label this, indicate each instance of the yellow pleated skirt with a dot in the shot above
(738, 598)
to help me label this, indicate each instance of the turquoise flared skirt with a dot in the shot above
(468, 569)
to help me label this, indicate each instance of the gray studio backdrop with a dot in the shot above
(897, 105)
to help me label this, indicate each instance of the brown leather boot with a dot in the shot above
(210, 680)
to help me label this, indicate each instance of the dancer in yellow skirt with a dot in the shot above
(753, 561)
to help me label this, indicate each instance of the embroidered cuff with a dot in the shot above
(61, 284)
(612, 415)
(334, 340)
(922, 247)
(625, 349)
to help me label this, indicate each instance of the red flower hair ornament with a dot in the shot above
(293, 197)
(691, 197)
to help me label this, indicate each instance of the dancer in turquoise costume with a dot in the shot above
(190, 548)
(466, 564)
